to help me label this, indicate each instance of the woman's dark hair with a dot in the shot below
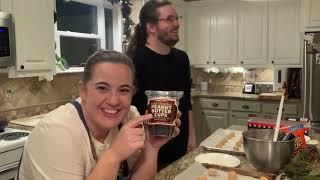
(148, 14)
(105, 56)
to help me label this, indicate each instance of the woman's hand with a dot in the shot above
(157, 142)
(130, 138)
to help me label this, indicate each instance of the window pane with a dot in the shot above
(77, 50)
(108, 28)
(76, 17)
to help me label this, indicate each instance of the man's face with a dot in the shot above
(106, 97)
(168, 25)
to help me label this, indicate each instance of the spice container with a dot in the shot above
(163, 105)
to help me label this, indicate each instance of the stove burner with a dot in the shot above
(10, 136)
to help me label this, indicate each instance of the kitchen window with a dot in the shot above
(84, 26)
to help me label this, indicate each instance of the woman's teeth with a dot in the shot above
(111, 111)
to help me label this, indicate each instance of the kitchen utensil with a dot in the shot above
(196, 170)
(263, 153)
(276, 132)
(204, 86)
(218, 159)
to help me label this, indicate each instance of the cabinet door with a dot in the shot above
(214, 120)
(181, 12)
(223, 33)
(241, 118)
(34, 34)
(284, 34)
(312, 13)
(198, 36)
(252, 35)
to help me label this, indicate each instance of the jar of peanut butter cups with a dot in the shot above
(163, 105)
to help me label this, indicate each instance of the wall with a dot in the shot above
(32, 97)
(227, 82)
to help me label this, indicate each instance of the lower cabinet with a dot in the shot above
(213, 120)
(241, 118)
(211, 114)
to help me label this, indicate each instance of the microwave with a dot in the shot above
(6, 40)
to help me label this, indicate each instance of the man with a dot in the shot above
(160, 66)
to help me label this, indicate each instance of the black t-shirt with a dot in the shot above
(169, 72)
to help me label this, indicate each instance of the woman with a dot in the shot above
(92, 139)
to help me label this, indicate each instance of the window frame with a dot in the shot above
(117, 26)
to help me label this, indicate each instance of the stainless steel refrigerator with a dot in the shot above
(312, 77)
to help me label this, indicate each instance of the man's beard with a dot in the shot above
(165, 38)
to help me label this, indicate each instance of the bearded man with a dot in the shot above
(160, 66)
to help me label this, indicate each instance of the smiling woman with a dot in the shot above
(98, 136)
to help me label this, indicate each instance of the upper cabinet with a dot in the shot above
(253, 32)
(34, 37)
(311, 14)
(284, 34)
(181, 12)
(244, 33)
(212, 34)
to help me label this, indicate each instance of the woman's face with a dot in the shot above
(106, 98)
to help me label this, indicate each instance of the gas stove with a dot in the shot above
(11, 147)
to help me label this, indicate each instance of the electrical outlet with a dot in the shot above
(7, 95)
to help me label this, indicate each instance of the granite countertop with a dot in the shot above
(177, 167)
(234, 95)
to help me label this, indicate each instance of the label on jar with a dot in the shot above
(164, 110)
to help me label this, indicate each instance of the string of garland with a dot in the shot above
(127, 21)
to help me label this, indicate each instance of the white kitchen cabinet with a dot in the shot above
(212, 34)
(34, 37)
(181, 12)
(198, 36)
(311, 13)
(284, 33)
(253, 33)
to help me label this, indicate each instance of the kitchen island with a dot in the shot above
(177, 167)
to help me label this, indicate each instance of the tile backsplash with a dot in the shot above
(226, 82)
(31, 97)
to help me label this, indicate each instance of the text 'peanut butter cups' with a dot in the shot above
(163, 105)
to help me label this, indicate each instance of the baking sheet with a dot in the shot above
(197, 169)
(211, 142)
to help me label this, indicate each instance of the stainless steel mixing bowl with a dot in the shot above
(263, 153)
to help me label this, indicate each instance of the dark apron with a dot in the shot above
(123, 173)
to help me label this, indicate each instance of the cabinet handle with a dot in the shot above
(241, 62)
(272, 62)
(232, 115)
(214, 62)
(202, 113)
(215, 104)
(278, 109)
(208, 62)
(245, 107)
(22, 67)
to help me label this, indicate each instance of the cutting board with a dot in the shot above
(197, 169)
(272, 96)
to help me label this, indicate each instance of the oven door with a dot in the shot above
(9, 173)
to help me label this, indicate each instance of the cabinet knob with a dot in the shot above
(278, 109)
(208, 62)
(22, 67)
(202, 113)
(241, 62)
(245, 107)
(214, 62)
(232, 115)
(272, 62)
(215, 104)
